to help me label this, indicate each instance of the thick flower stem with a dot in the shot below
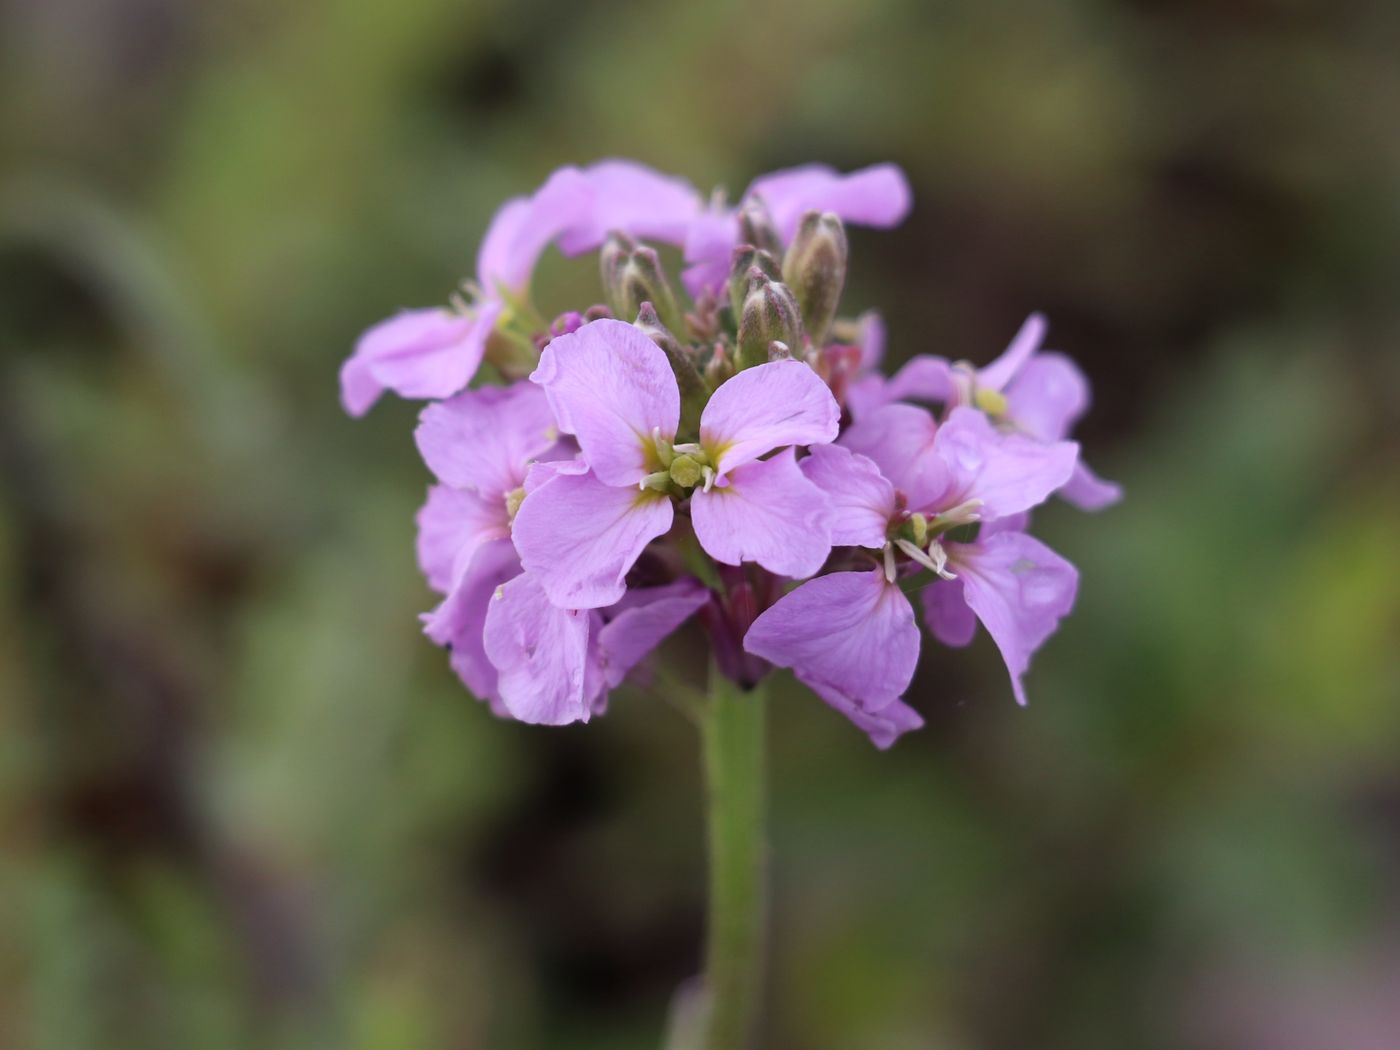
(733, 731)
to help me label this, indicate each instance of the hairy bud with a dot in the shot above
(770, 314)
(746, 257)
(632, 275)
(815, 268)
(756, 227)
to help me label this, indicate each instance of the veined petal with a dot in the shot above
(1025, 343)
(767, 513)
(641, 622)
(484, 439)
(540, 653)
(772, 405)
(452, 524)
(611, 387)
(1087, 491)
(426, 353)
(875, 196)
(580, 537)
(1020, 589)
(523, 228)
(459, 620)
(899, 439)
(850, 637)
(1048, 394)
(860, 499)
(634, 199)
(1007, 472)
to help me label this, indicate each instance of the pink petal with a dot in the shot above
(1087, 491)
(611, 386)
(484, 439)
(641, 622)
(851, 638)
(523, 227)
(1020, 589)
(899, 440)
(540, 653)
(452, 524)
(767, 407)
(872, 337)
(634, 199)
(1048, 394)
(768, 513)
(946, 613)
(860, 499)
(709, 246)
(875, 196)
(580, 537)
(428, 353)
(1007, 472)
(459, 620)
(1025, 343)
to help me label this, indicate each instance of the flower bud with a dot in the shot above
(756, 227)
(770, 314)
(718, 368)
(815, 268)
(692, 387)
(632, 275)
(745, 258)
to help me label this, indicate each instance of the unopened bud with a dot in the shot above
(718, 368)
(632, 275)
(770, 314)
(779, 351)
(756, 227)
(692, 387)
(745, 259)
(815, 267)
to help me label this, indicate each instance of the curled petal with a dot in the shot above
(1087, 491)
(641, 622)
(485, 439)
(459, 620)
(1020, 589)
(540, 653)
(1024, 344)
(773, 405)
(875, 196)
(580, 537)
(523, 228)
(452, 524)
(611, 387)
(634, 199)
(851, 638)
(860, 499)
(427, 353)
(767, 513)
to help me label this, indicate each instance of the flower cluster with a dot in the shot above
(737, 457)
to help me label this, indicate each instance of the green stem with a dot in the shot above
(733, 732)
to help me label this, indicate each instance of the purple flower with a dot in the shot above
(897, 482)
(875, 196)
(613, 389)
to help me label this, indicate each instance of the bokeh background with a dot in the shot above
(243, 803)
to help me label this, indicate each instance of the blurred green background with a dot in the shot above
(243, 803)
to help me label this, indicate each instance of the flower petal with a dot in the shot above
(772, 405)
(580, 536)
(641, 622)
(427, 353)
(1025, 343)
(850, 637)
(709, 248)
(946, 613)
(524, 226)
(634, 199)
(611, 386)
(459, 620)
(1007, 472)
(540, 653)
(924, 378)
(1087, 491)
(875, 196)
(1048, 394)
(485, 439)
(1020, 589)
(899, 440)
(768, 513)
(452, 524)
(860, 499)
